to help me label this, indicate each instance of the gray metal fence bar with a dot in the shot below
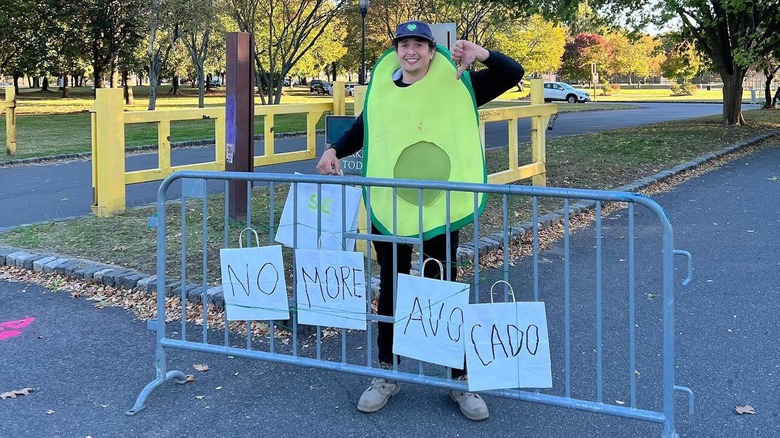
(298, 356)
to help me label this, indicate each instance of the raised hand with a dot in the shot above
(464, 53)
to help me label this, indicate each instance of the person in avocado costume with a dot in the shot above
(420, 122)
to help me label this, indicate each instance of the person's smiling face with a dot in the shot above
(414, 55)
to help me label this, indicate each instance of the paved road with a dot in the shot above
(65, 188)
(87, 365)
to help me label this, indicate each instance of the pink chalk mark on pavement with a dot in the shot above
(12, 329)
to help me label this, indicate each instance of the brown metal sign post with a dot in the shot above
(239, 117)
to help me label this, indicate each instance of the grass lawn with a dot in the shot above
(48, 125)
(599, 161)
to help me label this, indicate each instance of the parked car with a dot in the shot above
(316, 86)
(327, 88)
(288, 81)
(564, 92)
(350, 88)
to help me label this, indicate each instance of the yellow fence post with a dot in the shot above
(108, 152)
(539, 134)
(339, 98)
(10, 120)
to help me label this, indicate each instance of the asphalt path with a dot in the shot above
(61, 190)
(87, 366)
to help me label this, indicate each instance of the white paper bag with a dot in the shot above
(507, 345)
(331, 204)
(253, 283)
(428, 322)
(331, 288)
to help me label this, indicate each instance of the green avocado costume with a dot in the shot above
(426, 131)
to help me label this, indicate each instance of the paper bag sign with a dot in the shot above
(253, 283)
(428, 322)
(331, 288)
(299, 226)
(507, 346)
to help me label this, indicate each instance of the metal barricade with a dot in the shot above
(601, 261)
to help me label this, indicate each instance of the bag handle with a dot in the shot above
(334, 234)
(441, 267)
(241, 237)
(511, 291)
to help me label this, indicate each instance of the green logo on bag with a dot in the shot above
(324, 207)
(411, 26)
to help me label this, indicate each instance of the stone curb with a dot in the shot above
(116, 276)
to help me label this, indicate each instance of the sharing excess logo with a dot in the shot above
(11, 329)
(411, 26)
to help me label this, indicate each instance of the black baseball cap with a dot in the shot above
(413, 29)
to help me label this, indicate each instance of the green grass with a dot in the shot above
(48, 125)
(598, 161)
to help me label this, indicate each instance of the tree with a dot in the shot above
(164, 32)
(633, 55)
(769, 65)
(284, 30)
(200, 19)
(682, 62)
(537, 44)
(111, 29)
(21, 41)
(733, 34)
(587, 49)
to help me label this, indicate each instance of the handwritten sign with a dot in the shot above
(253, 283)
(314, 218)
(428, 323)
(507, 346)
(331, 288)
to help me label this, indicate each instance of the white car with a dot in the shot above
(564, 92)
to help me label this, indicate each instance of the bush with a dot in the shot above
(609, 89)
(686, 89)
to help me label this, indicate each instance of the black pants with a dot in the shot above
(435, 247)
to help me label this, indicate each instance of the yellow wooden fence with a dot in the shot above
(108, 140)
(8, 105)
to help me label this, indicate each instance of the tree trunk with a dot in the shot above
(17, 75)
(64, 94)
(152, 89)
(128, 89)
(768, 91)
(201, 89)
(45, 84)
(174, 86)
(732, 97)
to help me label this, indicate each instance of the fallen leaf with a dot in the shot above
(14, 393)
(49, 412)
(200, 397)
(218, 388)
(103, 406)
(620, 402)
(201, 367)
(747, 409)
(191, 378)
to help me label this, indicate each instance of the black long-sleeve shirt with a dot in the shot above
(501, 74)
